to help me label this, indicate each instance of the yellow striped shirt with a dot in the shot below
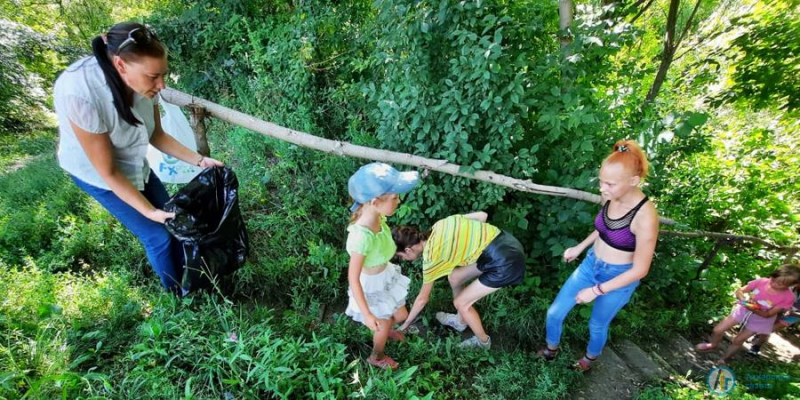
(454, 241)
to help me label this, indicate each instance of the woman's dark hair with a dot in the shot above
(143, 43)
(407, 236)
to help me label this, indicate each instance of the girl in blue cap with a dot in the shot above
(378, 289)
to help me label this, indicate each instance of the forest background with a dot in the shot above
(710, 88)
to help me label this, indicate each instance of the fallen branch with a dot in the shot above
(347, 149)
(730, 239)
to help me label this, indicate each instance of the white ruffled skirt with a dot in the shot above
(385, 293)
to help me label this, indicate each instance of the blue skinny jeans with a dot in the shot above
(163, 251)
(592, 271)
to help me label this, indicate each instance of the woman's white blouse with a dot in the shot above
(82, 96)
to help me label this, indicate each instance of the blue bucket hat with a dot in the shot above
(376, 179)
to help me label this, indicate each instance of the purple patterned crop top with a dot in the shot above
(617, 232)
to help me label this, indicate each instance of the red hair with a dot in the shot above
(628, 154)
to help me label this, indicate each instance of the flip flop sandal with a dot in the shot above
(384, 363)
(704, 347)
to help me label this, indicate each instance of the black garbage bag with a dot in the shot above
(209, 226)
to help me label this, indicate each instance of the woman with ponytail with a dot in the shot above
(622, 247)
(107, 107)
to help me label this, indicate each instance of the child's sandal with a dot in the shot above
(704, 347)
(384, 363)
(548, 353)
(585, 363)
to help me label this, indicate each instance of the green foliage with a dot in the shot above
(54, 324)
(39, 39)
(746, 183)
(448, 84)
(519, 377)
(47, 218)
(250, 359)
(295, 238)
(25, 56)
(766, 72)
(482, 84)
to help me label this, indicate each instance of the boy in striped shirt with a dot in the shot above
(462, 247)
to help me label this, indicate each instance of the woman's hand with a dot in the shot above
(372, 322)
(160, 216)
(571, 254)
(208, 162)
(586, 296)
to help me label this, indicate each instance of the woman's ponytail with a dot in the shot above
(355, 215)
(631, 156)
(122, 100)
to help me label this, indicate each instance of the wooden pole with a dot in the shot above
(197, 120)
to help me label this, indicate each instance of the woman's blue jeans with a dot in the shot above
(592, 271)
(163, 252)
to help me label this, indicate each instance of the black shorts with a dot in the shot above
(502, 262)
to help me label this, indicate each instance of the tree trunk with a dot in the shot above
(669, 50)
(718, 245)
(564, 20)
(671, 44)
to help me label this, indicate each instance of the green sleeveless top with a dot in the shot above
(377, 248)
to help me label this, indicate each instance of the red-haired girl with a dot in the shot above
(622, 247)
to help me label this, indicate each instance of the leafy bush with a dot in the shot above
(24, 54)
(483, 84)
(53, 325)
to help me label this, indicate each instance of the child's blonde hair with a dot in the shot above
(356, 214)
(787, 271)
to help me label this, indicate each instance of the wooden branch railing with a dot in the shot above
(348, 149)
(730, 239)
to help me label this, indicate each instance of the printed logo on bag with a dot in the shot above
(721, 380)
(173, 167)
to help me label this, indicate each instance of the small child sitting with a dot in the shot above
(784, 321)
(770, 298)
